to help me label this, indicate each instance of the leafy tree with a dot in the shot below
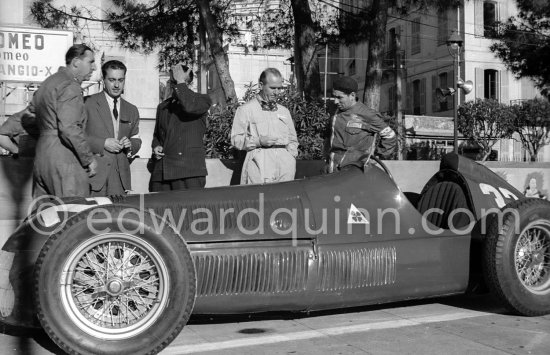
(485, 122)
(221, 61)
(172, 26)
(524, 42)
(305, 50)
(532, 123)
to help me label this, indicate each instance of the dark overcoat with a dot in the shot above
(180, 127)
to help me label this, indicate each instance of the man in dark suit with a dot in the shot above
(178, 148)
(112, 131)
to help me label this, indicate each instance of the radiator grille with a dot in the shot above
(256, 273)
(347, 269)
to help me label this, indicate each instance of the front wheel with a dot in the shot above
(517, 257)
(114, 285)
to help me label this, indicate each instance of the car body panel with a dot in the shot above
(487, 190)
(344, 239)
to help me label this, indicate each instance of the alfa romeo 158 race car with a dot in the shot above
(122, 275)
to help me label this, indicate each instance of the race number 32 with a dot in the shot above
(499, 194)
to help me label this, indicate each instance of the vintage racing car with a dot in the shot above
(122, 275)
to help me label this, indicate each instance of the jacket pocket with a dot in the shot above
(354, 127)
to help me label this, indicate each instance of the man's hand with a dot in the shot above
(125, 142)
(112, 145)
(158, 152)
(267, 141)
(179, 75)
(92, 168)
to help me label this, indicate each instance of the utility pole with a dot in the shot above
(398, 96)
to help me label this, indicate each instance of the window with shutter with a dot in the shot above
(489, 18)
(423, 96)
(478, 18)
(391, 41)
(480, 87)
(490, 84)
(442, 28)
(444, 83)
(450, 83)
(503, 87)
(415, 31)
(351, 67)
(435, 101)
(416, 97)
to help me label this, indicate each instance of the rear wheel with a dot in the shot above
(517, 257)
(122, 289)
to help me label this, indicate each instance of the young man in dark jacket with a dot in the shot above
(354, 128)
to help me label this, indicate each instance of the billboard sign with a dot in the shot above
(31, 54)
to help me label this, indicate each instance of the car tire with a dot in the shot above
(516, 257)
(114, 285)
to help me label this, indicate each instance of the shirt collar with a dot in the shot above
(110, 100)
(111, 103)
(266, 105)
(68, 73)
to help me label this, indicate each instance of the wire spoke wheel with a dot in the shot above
(114, 286)
(532, 257)
(128, 289)
(516, 256)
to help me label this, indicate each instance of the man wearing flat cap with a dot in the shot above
(354, 128)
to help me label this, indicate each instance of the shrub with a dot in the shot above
(532, 123)
(310, 121)
(485, 122)
(217, 139)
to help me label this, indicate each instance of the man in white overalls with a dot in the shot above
(266, 131)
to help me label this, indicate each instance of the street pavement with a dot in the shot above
(455, 325)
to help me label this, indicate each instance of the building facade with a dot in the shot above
(427, 65)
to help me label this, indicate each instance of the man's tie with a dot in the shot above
(115, 111)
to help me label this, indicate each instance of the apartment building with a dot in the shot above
(427, 65)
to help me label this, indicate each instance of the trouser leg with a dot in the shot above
(188, 183)
(114, 184)
(158, 186)
(287, 166)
